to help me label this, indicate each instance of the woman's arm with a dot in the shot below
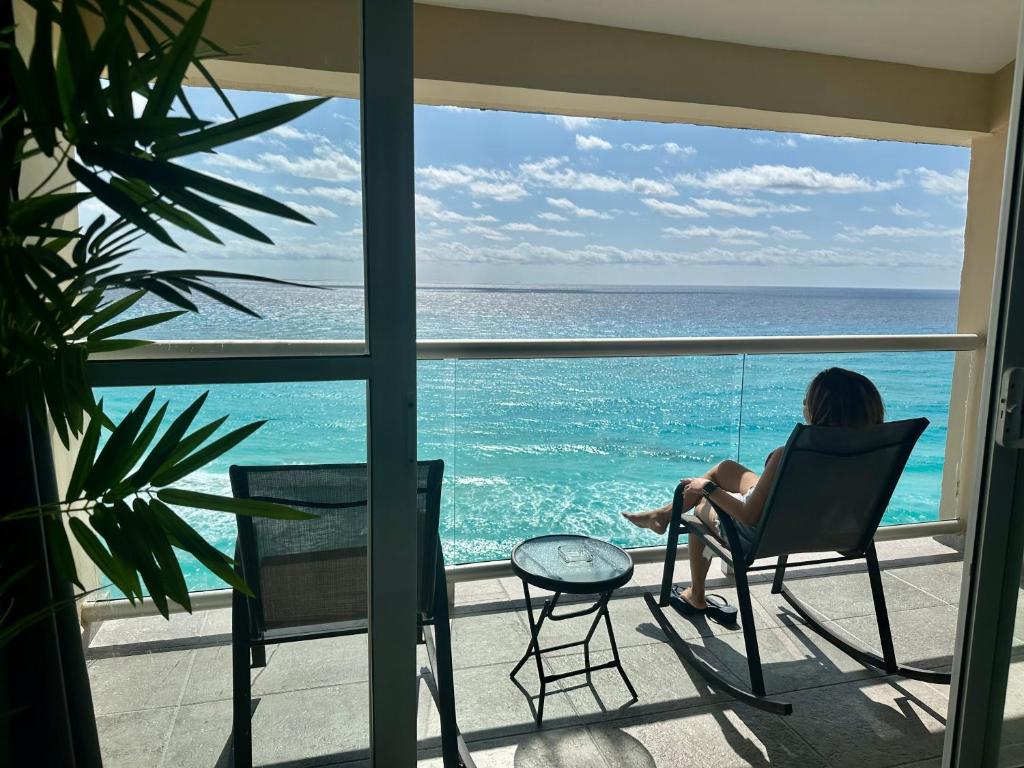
(747, 512)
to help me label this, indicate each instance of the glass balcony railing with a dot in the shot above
(536, 446)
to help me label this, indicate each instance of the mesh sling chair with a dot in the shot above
(309, 579)
(832, 488)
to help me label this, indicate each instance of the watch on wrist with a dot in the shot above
(709, 487)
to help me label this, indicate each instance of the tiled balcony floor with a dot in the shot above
(163, 696)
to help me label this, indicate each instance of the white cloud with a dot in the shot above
(788, 234)
(227, 160)
(747, 208)
(291, 133)
(502, 192)
(553, 172)
(669, 146)
(313, 212)
(485, 232)
(783, 141)
(854, 233)
(552, 216)
(834, 139)
(571, 123)
(735, 235)
(328, 163)
(899, 210)
(432, 178)
(785, 180)
(566, 204)
(431, 208)
(591, 142)
(766, 255)
(337, 194)
(533, 228)
(674, 209)
(952, 186)
(674, 149)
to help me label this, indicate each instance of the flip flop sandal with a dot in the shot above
(720, 611)
(684, 606)
(718, 608)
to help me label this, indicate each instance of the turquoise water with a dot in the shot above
(541, 446)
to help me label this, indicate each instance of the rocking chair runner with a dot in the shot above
(309, 580)
(832, 488)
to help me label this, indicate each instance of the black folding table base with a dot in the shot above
(600, 611)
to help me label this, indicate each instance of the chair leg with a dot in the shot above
(454, 751)
(671, 546)
(887, 662)
(881, 612)
(749, 632)
(780, 574)
(259, 656)
(241, 723)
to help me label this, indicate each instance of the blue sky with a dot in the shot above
(509, 198)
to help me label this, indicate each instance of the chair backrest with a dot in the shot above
(833, 486)
(312, 572)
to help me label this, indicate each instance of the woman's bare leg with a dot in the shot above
(699, 565)
(728, 475)
(656, 519)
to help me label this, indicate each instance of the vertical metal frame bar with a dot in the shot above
(995, 542)
(386, 79)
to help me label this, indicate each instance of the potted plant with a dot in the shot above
(72, 78)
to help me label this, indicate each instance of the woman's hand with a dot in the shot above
(694, 491)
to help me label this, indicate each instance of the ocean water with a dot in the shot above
(542, 446)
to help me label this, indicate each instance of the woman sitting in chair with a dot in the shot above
(835, 397)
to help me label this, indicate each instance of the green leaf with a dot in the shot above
(134, 324)
(165, 177)
(109, 312)
(146, 197)
(213, 213)
(234, 130)
(120, 203)
(181, 54)
(104, 522)
(138, 130)
(249, 507)
(187, 444)
(205, 455)
(96, 552)
(139, 556)
(168, 442)
(60, 550)
(170, 569)
(110, 465)
(184, 537)
(139, 447)
(29, 213)
(96, 346)
(33, 104)
(85, 458)
(223, 298)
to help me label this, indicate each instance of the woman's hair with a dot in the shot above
(837, 397)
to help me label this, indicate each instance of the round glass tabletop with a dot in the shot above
(572, 564)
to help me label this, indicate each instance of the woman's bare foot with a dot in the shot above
(699, 603)
(657, 519)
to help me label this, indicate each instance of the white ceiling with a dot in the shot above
(967, 35)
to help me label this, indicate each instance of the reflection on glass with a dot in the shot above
(565, 445)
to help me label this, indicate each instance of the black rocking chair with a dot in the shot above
(832, 488)
(309, 579)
